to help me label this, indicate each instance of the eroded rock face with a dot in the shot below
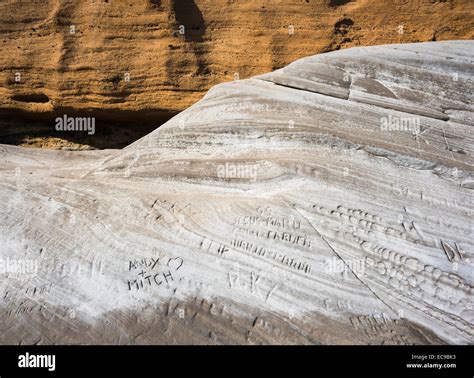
(65, 55)
(326, 202)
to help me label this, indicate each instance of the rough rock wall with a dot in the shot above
(64, 54)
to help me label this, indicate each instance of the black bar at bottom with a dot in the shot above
(219, 361)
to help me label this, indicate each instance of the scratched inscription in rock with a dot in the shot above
(152, 272)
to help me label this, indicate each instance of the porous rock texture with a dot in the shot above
(68, 55)
(328, 202)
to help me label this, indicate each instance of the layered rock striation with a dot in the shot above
(328, 202)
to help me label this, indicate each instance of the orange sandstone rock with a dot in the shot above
(136, 55)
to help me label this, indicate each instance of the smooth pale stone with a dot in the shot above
(275, 210)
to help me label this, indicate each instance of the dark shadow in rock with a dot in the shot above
(337, 3)
(33, 98)
(188, 14)
(113, 129)
(239, 324)
(155, 3)
(342, 26)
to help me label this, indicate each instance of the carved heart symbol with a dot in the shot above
(175, 263)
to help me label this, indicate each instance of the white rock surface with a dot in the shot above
(278, 209)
